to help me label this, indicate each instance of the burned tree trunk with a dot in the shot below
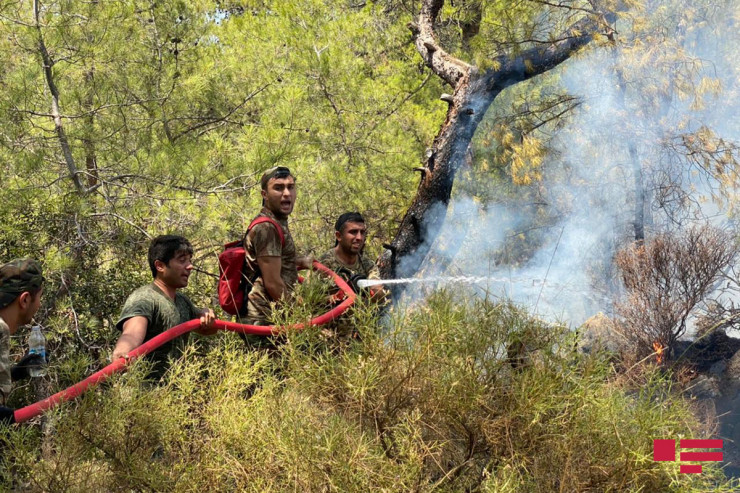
(474, 91)
(426, 214)
(635, 164)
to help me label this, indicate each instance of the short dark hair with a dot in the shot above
(275, 172)
(165, 247)
(17, 277)
(348, 217)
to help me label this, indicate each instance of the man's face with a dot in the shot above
(352, 237)
(176, 272)
(29, 306)
(280, 195)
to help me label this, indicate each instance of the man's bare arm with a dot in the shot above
(133, 334)
(270, 269)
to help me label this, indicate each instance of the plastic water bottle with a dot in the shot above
(37, 345)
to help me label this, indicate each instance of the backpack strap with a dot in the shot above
(255, 269)
(265, 219)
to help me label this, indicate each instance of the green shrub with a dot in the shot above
(426, 400)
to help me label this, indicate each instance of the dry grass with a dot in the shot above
(429, 403)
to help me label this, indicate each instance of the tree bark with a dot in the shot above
(474, 92)
(47, 64)
(91, 160)
(635, 165)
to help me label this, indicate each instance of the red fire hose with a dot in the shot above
(25, 413)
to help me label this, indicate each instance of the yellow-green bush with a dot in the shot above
(430, 401)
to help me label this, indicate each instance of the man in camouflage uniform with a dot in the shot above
(346, 259)
(158, 306)
(21, 286)
(274, 262)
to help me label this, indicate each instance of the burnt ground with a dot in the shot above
(713, 364)
(704, 353)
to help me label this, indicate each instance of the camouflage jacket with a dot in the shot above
(5, 382)
(363, 266)
(263, 240)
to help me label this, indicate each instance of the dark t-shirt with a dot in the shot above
(162, 314)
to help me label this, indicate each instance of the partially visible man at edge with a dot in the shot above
(21, 286)
(274, 262)
(346, 257)
(157, 307)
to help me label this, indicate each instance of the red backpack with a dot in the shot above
(236, 276)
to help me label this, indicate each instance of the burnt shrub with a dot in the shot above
(666, 279)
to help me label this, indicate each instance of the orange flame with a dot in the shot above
(659, 348)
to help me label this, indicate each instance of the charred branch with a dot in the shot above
(447, 67)
(422, 170)
(474, 93)
(540, 59)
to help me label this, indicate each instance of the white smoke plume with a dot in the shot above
(589, 178)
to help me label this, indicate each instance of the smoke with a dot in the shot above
(657, 101)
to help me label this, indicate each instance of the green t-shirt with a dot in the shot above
(162, 314)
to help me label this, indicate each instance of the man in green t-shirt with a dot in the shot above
(157, 307)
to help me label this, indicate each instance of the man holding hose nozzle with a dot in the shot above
(346, 258)
(21, 286)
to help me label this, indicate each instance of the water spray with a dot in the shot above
(525, 283)
(366, 283)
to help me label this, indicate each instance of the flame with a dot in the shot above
(659, 348)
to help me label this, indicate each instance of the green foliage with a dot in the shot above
(172, 110)
(430, 402)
